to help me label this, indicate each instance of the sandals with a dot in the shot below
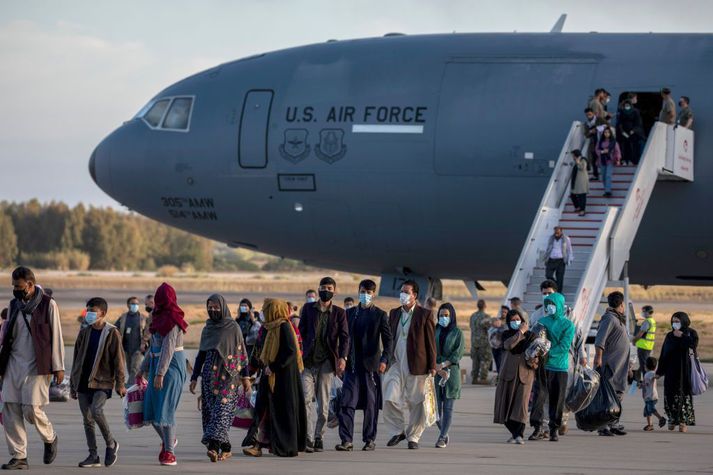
(649, 428)
(671, 427)
(683, 428)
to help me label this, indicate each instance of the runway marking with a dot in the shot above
(386, 129)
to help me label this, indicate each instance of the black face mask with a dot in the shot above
(20, 294)
(325, 295)
(148, 309)
(215, 315)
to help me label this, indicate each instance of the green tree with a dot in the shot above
(8, 241)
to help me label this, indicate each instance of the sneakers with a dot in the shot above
(413, 445)
(111, 454)
(318, 445)
(309, 447)
(511, 440)
(520, 441)
(537, 434)
(169, 459)
(606, 433)
(344, 447)
(554, 435)
(369, 446)
(617, 431)
(50, 451)
(396, 439)
(90, 461)
(441, 443)
(16, 464)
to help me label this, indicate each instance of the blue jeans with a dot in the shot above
(606, 170)
(445, 411)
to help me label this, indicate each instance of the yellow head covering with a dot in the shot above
(276, 313)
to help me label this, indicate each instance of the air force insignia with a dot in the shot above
(295, 148)
(331, 145)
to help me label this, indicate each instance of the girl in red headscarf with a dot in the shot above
(165, 365)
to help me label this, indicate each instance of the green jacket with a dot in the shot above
(560, 332)
(453, 352)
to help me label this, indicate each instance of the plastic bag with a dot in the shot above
(430, 404)
(134, 406)
(604, 409)
(699, 378)
(245, 409)
(535, 353)
(59, 392)
(583, 389)
(334, 402)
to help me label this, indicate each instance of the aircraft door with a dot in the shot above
(254, 122)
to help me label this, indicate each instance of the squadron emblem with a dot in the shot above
(295, 148)
(331, 145)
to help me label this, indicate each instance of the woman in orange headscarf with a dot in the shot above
(280, 406)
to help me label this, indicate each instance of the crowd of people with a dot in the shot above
(617, 138)
(404, 362)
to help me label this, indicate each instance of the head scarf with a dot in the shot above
(276, 313)
(509, 332)
(443, 332)
(683, 318)
(222, 335)
(166, 313)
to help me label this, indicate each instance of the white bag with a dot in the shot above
(430, 403)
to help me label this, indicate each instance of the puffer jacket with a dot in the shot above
(560, 332)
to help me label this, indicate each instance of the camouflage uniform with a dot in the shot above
(480, 352)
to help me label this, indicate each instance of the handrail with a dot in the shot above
(594, 278)
(632, 210)
(549, 213)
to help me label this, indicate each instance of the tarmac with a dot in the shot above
(476, 445)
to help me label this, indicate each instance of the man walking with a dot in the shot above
(325, 340)
(414, 359)
(539, 388)
(32, 350)
(558, 256)
(369, 346)
(480, 352)
(132, 327)
(611, 359)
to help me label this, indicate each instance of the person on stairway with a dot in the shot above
(685, 116)
(593, 126)
(609, 155)
(559, 255)
(580, 183)
(629, 133)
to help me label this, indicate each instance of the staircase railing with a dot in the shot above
(550, 211)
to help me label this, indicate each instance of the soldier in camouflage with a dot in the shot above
(480, 352)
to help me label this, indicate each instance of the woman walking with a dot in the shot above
(580, 185)
(609, 155)
(675, 367)
(515, 384)
(165, 364)
(222, 365)
(450, 345)
(280, 407)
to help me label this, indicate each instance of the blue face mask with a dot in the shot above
(444, 321)
(134, 308)
(550, 309)
(90, 318)
(365, 299)
(515, 324)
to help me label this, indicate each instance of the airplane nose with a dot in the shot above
(92, 167)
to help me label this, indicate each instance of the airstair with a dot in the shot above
(601, 240)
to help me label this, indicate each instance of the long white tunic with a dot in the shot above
(400, 386)
(21, 383)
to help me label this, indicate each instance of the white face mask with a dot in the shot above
(311, 300)
(405, 298)
(676, 325)
(550, 309)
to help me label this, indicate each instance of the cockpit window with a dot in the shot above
(155, 113)
(178, 114)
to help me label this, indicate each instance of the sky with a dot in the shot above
(72, 71)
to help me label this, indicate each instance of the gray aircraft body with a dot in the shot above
(408, 154)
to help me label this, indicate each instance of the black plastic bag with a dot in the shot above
(604, 409)
(583, 390)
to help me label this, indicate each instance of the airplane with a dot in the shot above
(421, 156)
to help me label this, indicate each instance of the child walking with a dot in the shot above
(651, 395)
(98, 368)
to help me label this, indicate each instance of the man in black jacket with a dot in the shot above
(369, 344)
(325, 342)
